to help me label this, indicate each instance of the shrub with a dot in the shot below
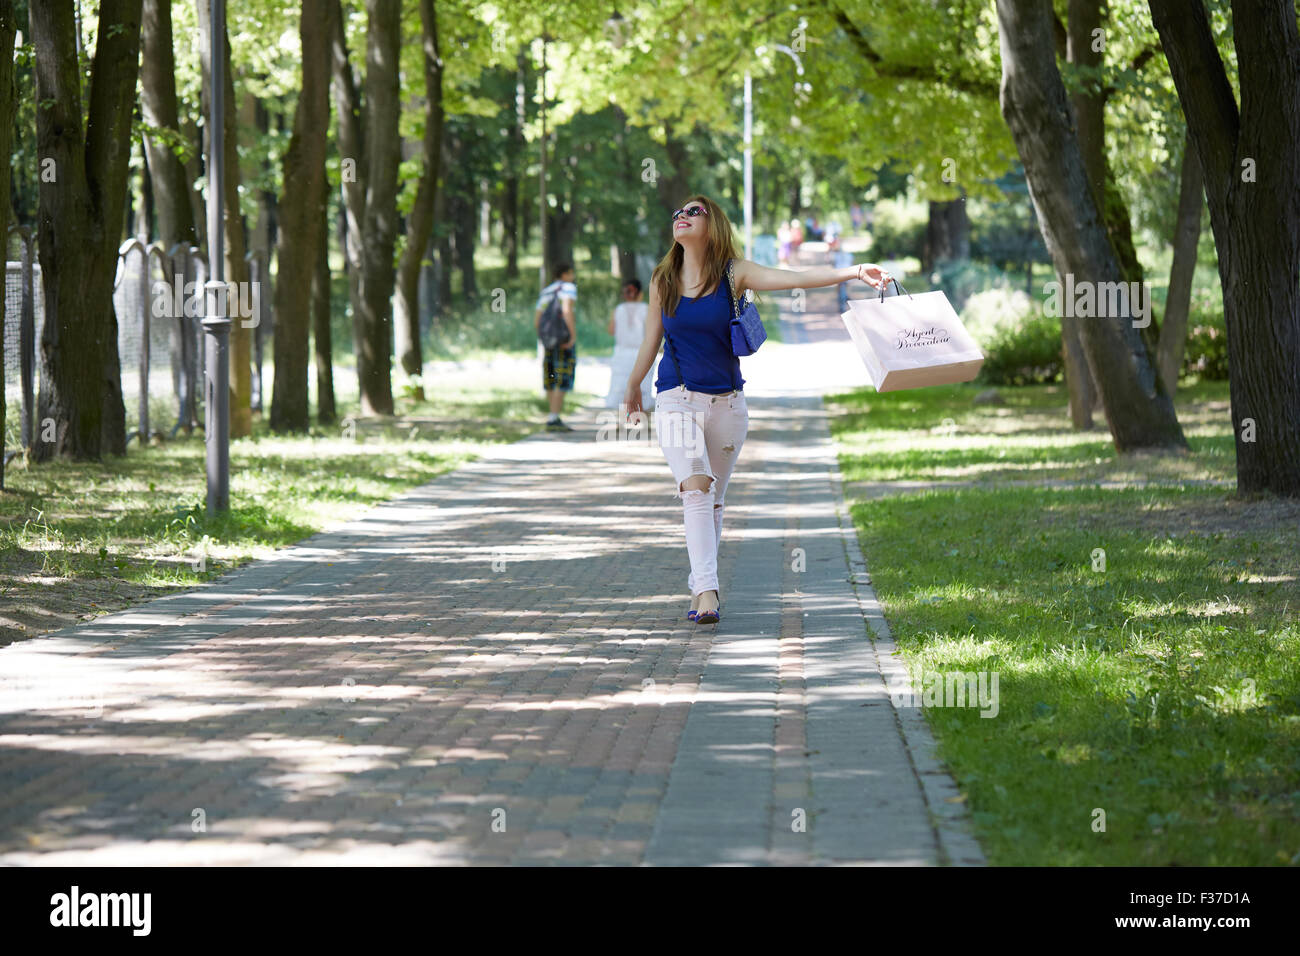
(1022, 346)
(1206, 353)
(897, 229)
(959, 279)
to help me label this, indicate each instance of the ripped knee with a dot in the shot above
(696, 483)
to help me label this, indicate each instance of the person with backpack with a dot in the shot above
(557, 331)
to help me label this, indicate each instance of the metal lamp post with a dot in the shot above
(216, 322)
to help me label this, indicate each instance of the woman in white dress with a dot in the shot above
(627, 325)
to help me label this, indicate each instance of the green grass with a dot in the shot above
(1163, 690)
(77, 539)
(938, 434)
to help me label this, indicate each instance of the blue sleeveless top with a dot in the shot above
(700, 331)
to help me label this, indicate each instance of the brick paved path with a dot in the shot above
(496, 669)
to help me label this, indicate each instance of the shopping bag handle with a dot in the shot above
(897, 284)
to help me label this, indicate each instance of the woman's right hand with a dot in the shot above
(632, 400)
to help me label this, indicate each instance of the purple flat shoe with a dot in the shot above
(690, 615)
(708, 617)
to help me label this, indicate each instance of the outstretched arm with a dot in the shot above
(750, 275)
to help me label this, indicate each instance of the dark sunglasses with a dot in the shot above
(692, 211)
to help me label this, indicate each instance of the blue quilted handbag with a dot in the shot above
(747, 332)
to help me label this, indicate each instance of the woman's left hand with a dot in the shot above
(873, 275)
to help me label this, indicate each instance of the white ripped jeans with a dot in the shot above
(701, 434)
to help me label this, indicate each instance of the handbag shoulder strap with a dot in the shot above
(731, 289)
(735, 307)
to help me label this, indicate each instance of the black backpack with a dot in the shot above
(552, 329)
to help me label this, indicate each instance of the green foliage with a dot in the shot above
(1206, 353)
(1005, 231)
(1021, 345)
(959, 279)
(898, 229)
(467, 330)
(1027, 355)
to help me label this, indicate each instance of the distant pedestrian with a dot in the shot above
(796, 239)
(627, 325)
(857, 217)
(557, 330)
(832, 236)
(783, 235)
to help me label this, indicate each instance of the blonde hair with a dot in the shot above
(719, 249)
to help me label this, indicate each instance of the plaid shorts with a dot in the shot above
(557, 368)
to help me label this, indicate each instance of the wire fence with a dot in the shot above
(158, 297)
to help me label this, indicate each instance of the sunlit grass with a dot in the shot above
(939, 434)
(1159, 682)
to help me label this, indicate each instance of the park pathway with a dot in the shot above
(496, 669)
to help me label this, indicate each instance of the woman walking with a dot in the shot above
(700, 411)
(627, 325)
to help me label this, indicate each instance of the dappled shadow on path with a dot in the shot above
(494, 668)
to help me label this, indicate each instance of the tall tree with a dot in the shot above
(321, 334)
(1249, 156)
(1084, 18)
(510, 199)
(171, 189)
(419, 224)
(80, 219)
(302, 219)
(8, 104)
(1187, 235)
(368, 139)
(1138, 410)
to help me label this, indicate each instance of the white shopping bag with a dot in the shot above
(911, 341)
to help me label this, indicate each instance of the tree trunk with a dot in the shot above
(419, 225)
(193, 170)
(1250, 162)
(1085, 16)
(442, 240)
(1088, 103)
(368, 138)
(947, 233)
(1187, 235)
(510, 201)
(627, 267)
(322, 336)
(301, 222)
(379, 227)
(1138, 410)
(674, 185)
(79, 221)
(171, 189)
(8, 105)
(352, 158)
(461, 207)
(241, 352)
